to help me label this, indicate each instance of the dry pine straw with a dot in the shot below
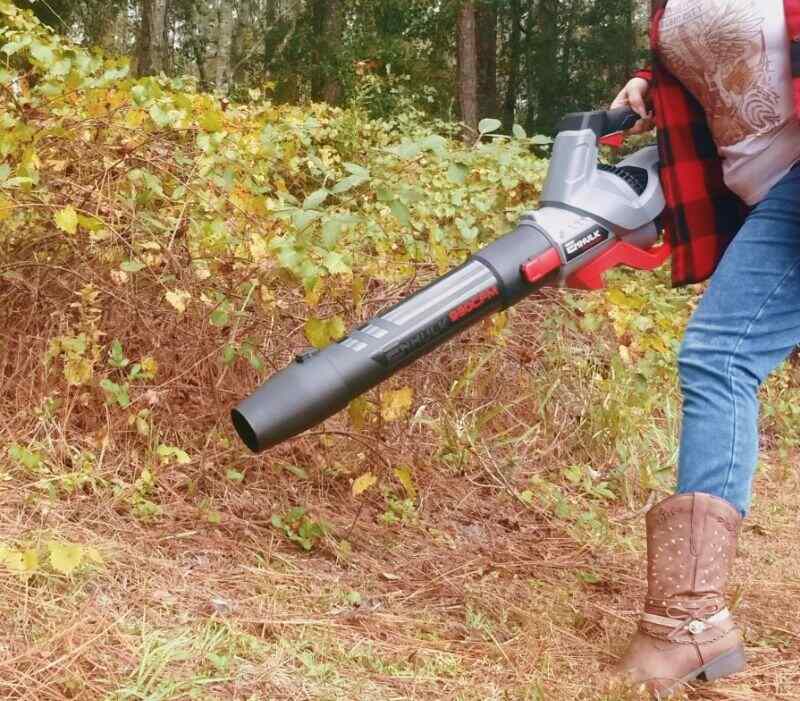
(476, 597)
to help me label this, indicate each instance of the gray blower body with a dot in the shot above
(592, 217)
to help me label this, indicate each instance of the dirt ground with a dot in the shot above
(474, 597)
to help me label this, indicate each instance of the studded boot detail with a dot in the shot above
(686, 631)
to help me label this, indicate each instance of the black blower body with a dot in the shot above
(592, 218)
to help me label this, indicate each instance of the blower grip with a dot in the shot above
(602, 123)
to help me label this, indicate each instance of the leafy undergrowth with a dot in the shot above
(469, 531)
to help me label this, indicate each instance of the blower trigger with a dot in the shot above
(590, 276)
(542, 265)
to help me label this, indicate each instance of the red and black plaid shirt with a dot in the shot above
(702, 215)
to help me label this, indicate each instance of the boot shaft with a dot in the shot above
(691, 543)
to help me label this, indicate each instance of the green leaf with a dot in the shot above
(229, 354)
(519, 132)
(336, 263)
(67, 220)
(220, 317)
(331, 233)
(139, 94)
(574, 474)
(401, 211)
(541, 140)
(316, 199)
(116, 356)
(487, 126)
(457, 173)
(349, 183)
(119, 393)
(43, 54)
(406, 151)
(169, 452)
(355, 169)
(303, 219)
(29, 459)
(61, 68)
(132, 266)
(234, 475)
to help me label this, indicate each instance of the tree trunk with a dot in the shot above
(222, 78)
(327, 22)
(199, 28)
(544, 70)
(150, 49)
(468, 69)
(486, 26)
(531, 69)
(512, 88)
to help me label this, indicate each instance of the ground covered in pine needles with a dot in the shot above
(471, 530)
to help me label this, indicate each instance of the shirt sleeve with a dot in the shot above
(646, 73)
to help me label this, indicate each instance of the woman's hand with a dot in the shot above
(633, 95)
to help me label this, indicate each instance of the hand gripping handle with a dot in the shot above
(602, 123)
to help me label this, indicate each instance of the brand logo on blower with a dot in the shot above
(405, 348)
(584, 242)
(474, 304)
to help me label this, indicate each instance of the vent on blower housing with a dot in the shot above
(635, 177)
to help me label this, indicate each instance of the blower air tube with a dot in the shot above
(321, 383)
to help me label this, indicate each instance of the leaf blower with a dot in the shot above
(592, 217)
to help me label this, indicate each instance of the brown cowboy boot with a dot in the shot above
(686, 631)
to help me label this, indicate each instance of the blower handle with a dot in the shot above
(602, 123)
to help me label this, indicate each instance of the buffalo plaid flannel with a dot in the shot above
(702, 215)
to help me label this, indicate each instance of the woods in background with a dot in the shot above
(523, 61)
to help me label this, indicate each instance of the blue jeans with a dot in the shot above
(747, 323)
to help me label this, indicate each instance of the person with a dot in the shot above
(725, 94)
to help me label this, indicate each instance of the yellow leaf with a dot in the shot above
(65, 558)
(357, 292)
(321, 333)
(314, 295)
(149, 367)
(77, 371)
(498, 323)
(178, 299)
(212, 121)
(317, 333)
(405, 478)
(30, 561)
(396, 404)
(359, 412)
(336, 328)
(6, 207)
(67, 220)
(12, 559)
(363, 483)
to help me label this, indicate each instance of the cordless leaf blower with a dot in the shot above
(592, 217)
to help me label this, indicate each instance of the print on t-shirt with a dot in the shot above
(718, 50)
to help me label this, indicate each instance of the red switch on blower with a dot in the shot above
(541, 266)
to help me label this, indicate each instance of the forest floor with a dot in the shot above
(474, 535)
(474, 597)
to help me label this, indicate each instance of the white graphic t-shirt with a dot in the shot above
(733, 56)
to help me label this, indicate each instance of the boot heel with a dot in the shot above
(724, 666)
